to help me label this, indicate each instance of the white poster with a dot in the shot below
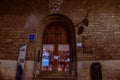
(22, 53)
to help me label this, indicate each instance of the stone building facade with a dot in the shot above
(99, 42)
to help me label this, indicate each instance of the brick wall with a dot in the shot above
(20, 18)
(13, 35)
(16, 24)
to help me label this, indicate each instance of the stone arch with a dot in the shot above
(69, 27)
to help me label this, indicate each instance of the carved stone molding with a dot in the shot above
(54, 5)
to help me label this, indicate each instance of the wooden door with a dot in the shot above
(56, 50)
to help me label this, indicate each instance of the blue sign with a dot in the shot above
(45, 62)
(31, 37)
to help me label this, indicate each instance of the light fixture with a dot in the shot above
(80, 30)
(84, 23)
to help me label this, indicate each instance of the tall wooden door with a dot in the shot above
(56, 50)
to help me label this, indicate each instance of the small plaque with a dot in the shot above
(79, 44)
(31, 37)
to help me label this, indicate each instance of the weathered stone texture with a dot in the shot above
(20, 18)
(109, 68)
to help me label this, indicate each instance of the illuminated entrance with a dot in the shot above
(56, 49)
(56, 43)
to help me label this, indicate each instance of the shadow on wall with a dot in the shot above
(1, 75)
(118, 76)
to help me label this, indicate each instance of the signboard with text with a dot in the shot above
(22, 53)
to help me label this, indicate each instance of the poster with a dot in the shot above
(22, 53)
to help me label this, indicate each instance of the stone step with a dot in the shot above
(54, 77)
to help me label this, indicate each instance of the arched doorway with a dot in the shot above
(56, 37)
(56, 50)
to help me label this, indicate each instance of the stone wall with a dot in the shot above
(110, 69)
(18, 19)
(8, 69)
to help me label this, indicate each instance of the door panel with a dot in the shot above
(56, 50)
(57, 60)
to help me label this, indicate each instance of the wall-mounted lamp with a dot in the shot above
(84, 23)
(80, 30)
